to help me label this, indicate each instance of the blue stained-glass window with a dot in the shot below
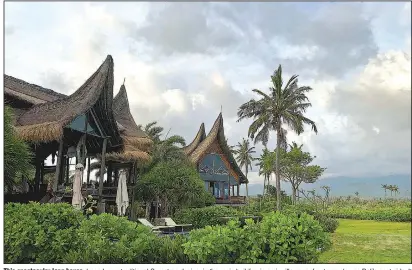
(79, 123)
(213, 169)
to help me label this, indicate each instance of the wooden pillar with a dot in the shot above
(238, 185)
(58, 165)
(37, 175)
(116, 177)
(132, 206)
(67, 170)
(233, 190)
(88, 170)
(109, 173)
(42, 172)
(102, 167)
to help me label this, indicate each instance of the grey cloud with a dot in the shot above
(185, 28)
(9, 30)
(57, 81)
(342, 35)
(361, 150)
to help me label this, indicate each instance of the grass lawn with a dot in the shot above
(367, 241)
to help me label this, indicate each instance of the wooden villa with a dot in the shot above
(88, 121)
(216, 164)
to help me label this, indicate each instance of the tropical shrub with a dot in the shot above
(176, 184)
(328, 223)
(278, 238)
(110, 239)
(170, 249)
(17, 155)
(202, 217)
(39, 233)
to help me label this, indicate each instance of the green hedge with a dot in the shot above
(328, 223)
(278, 238)
(57, 233)
(380, 214)
(39, 233)
(202, 217)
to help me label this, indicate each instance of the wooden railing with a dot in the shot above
(109, 193)
(232, 200)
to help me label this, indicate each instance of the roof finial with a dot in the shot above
(124, 80)
(221, 108)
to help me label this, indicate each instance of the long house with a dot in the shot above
(54, 124)
(216, 164)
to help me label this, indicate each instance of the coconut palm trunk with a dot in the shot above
(247, 189)
(277, 168)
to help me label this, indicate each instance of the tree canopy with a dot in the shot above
(295, 168)
(176, 184)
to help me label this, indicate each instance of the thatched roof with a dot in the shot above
(45, 122)
(30, 93)
(216, 137)
(200, 136)
(136, 143)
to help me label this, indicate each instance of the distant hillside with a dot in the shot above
(367, 187)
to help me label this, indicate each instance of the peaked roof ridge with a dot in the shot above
(217, 133)
(200, 136)
(53, 116)
(211, 136)
(131, 134)
(29, 92)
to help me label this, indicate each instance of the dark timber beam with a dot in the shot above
(102, 167)
(88, 170)
(58, 165)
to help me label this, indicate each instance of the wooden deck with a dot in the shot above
(233, 200)
(109, 193)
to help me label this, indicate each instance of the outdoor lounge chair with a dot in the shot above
(178, 227)
(163, 229)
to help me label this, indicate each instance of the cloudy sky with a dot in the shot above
(183, 61)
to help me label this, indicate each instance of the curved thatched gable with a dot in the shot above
(27, 92)
(45, 122)
(200, 136)
(136, 143)
(215, 141)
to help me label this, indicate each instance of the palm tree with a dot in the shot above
(395, 189)
(244, 158)
(231, 148)
(265, 167)
(152, 130)
(168, 149)
(391, 189)
(385, 187)
(356, 194)
(283, 105)
(17, 155)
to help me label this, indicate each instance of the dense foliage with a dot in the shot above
(202, 217)
(276, 239)
(295, 168)
(17, 155)
(109, 239)
(176, 184)
(383, 210)
(58, 233)
(39, 233)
